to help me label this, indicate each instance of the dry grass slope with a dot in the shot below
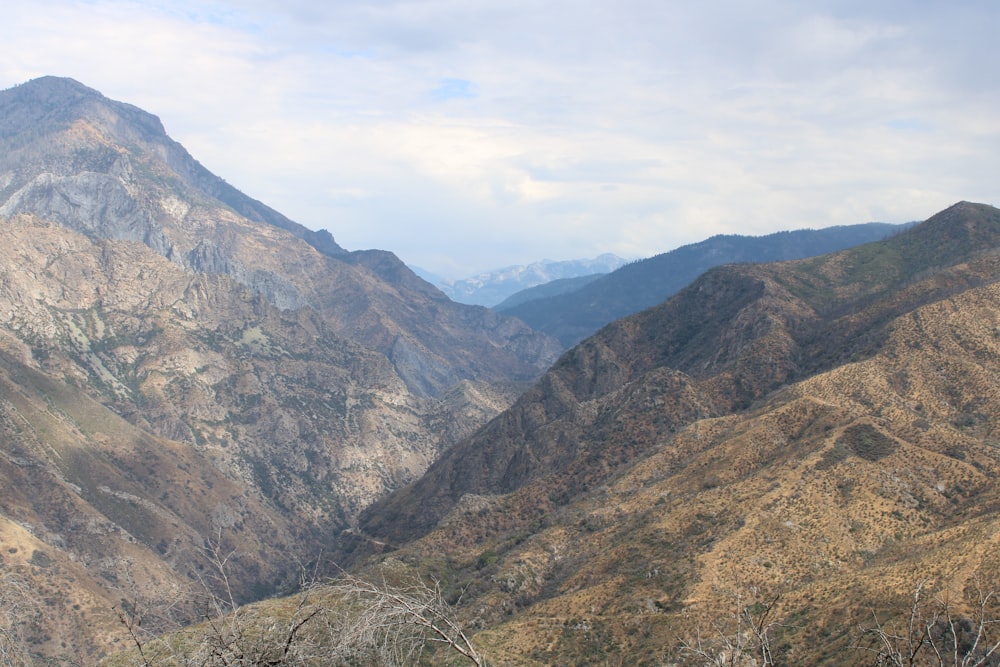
(843, 449)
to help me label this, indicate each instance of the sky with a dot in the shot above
(476, 134)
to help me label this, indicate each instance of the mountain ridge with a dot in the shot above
(574, 315)
(817, 432)
(694, 328)
(549, 289)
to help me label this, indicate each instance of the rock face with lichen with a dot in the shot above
(181, 363)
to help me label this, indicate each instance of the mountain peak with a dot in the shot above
(51, 105)
(61, 87)
(969, 213)
(962, 230)
(966, 212)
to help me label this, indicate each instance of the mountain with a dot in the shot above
(52, 105)
(812, 439)
(107, 170)
(184, 368)
(492, 287)
(572, 316)
(546, 290)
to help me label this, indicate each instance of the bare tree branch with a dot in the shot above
(16, 604)
(387, 609)
(936, 635)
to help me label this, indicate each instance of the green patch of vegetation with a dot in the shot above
(40, 559)
(809, 284)
(873, 264)
(833, 456)
(487, 559)
(866, 441)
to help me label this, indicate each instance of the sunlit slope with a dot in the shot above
(823, 429)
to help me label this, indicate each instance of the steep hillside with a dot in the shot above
(96, 509)
(109, 171)
(574, 315)
(817, 435)
(184, 367)
(43, 109)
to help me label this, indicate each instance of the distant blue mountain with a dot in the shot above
(573, 316)
(492, 287)
(545, 290)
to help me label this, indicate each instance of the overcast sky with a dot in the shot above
(469, 135)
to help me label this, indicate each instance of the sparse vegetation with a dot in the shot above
(18, 609)
(743, 637)
(394, 620)
(826, 427)
(934, 632)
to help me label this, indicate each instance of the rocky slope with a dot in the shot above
(109, 171)
(183, 366)
(821, 433)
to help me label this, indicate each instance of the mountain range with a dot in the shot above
(573, 312)
(188, 378)
(491, 287)
(815, 438)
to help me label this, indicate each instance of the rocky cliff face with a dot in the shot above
(108, 170)
(42, 116)
(182, 364)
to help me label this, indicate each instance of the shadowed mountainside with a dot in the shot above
(546, 290)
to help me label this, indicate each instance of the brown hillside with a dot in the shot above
(184, 365)
(825, 429)
(729, 339)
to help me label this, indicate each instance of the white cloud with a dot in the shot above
(471, 134)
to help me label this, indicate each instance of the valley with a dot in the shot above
(201, 399)
(183, 364)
